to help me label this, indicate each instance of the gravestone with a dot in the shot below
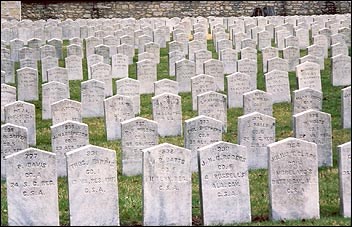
(313, 59)
(248, 42)
(344, 160)
(315, 126)
(224, 184)
(308, 75)
(293, 180)
(99, 193)
(263, 39)
(104, 51)
(14, 138)
(194, 46)
(321, 40)
(26, 52)
(146, 75)
(3, 73)
(215, 68)
(154, 49)
(173, 57)
(112, 42)
(117, 109)
(27, 84)
(248, 67)
(175, 45)
(47, 50)
(167, 112)
(7, 65)
(277, 83)
(15, 45)
(74, 49)
(200, 84)
(213, 104)
(48, 63)
(91, 42)
(341, 70)
(66, 109)
(136, 134)
(67, 136)
(317, 51)
(119, 66)
(167, 185)
(28, 62)
(22, 114)
(258, 101)
(58, 74)
(200, 57)
(91, 60)
(74, 67)
(303, 38)
(92, 98)
(57, 43)
(184, 70)
(346, 107)
(166, 85)
(32, 188)
(291, 41)
(237, 84)
(130, 87)
(249, 53)
(229, 59)
(305, 99)
(127, 50)
(102, 72)
(8, 95)
(223, 44)
(255, 131)
(52, 92)
(339, 48)
(147, 56)
(199, 132)
(292, 55)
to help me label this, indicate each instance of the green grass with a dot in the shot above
(130, 188)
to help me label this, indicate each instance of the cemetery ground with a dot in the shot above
(130, 188)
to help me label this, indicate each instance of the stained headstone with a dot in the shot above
(74, 67)
(215, 68)
(130, 87)
(200, 57)
(295, 196)
(170, 197)
(185, 70)
(229, 59)
(277, 83)
(166, 85)
(258, 101)
(48, 63)
(305, 99)
(308, 75)
(52, 92)
(255, 131)
(66, 109)
(341, 70)
(146, 75)
(104, 51)
(92, 98)
(27, 84)
(102, 72)
(248, 67)
(292, 55)
(7, 65)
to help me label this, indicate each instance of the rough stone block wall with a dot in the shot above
(11, 10)
(139, 9)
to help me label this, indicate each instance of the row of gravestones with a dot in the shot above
(167, 189)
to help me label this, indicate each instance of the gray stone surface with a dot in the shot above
(341, 70)
(185, 70)
(200, 84)
(146, 75)
(293, 180)
(102, 72)
(136, 134)
(52, 92)
(48, 63)
(229, 59)
(8, 95)
(119, 66)
(315, 126)
(258, 101)
(199, 132)
(92, 98)
(213, 104)
(268, 53)
(67, 136)
(14, 138)
(224, 184)
(130, 87)
(32, 188)
(249, 67)
(93, 186)
(167, 112)
(278, 64)
(166, 85)
(66, 109)
(215, 68)
(237, 84)
(117, 109)
(167, 186)
(58, 74)
(22, 114)
(173, 57)
(7, 65)
(305, 99)
(91, 60)
(277, 83)
(74, 67)
(344, 160)
(255, 131)
(200, 57)
(308, 75)
(346, 107)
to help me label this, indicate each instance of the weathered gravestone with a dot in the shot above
(315, 126)
(52, 92)
(292, 55)
(136, 134)
(46, 50)
(293, 180)
(27, 84)
(154, 49)
(305, 99)
(130, 87)
(92, 60)
(93, 185)
(74, 67)
(7, 65)
(200, 57)
(278, 64)
(344, 160)
(67, 136)
(127, 50)
(57, 43)
(117, 109)
(229, 59)
(173, 57)
(58, 74)
(215, 68)
(199, 132)
(249, 53)
(32, 189)
(200, 84)
(3, 73)
(104, 51)
(166, 85)
(92, 98)
(263, 39)
(277, 83)
(224, 184)
(237, 84)
(167, 112)
(185, 70)
(213, 104)
(313, 59)
(255, 131)
(119, 66)
(341, 70)
(14, 138)
(308, 75)
(102, 72)
(346, 107)
(74, 49)
(22, 114)
(258, 101)
(48, 63)
(66, 109)
(8, 95)
(248, 67)
(167, 186)
(29, 62)
(339, 48)
(146, 75)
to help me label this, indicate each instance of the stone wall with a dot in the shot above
(10, 10)
(138, 9)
